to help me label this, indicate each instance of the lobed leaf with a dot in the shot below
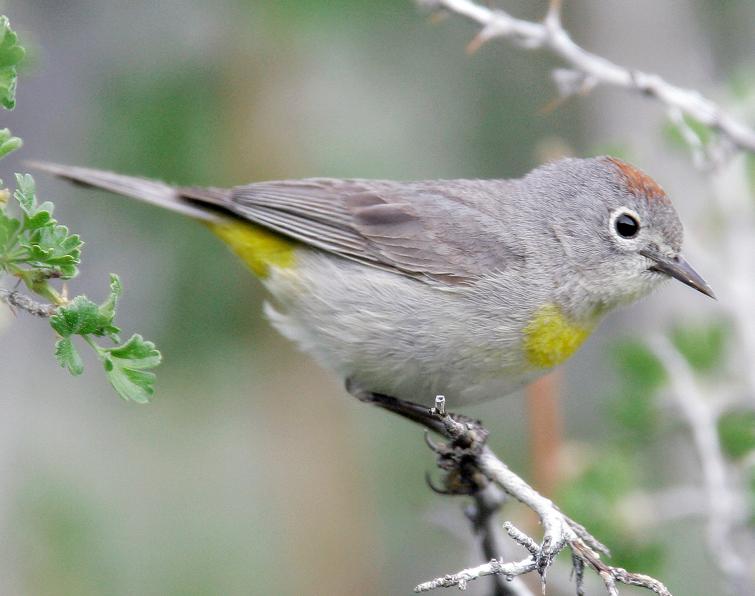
(127, 368)
(51, 246)
(81, 316)
(68, 356)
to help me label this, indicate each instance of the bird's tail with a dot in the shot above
(257, 246)
(150, 191)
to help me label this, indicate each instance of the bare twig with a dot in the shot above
(559, 532)
(588, 70)
(16, 300)
(487, 504)
(471, 465)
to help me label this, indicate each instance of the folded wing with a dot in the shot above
(422, 229)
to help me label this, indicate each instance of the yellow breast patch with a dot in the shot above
(259, 248)
(550, 337)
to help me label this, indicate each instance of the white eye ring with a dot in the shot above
(615, 225)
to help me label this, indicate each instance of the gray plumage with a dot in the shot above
(417, 288)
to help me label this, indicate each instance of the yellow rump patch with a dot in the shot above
(259, 248)
(550, 338)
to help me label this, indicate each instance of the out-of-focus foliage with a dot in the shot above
(596, 495)
(595, 498)
(737, 432)
(702, 345)
(640, 376)
(676, 138)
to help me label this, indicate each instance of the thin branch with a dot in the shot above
(487, 504)
(588, 70)
(16, 300)
(463, 577)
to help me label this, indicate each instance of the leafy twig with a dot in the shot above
(35, 249)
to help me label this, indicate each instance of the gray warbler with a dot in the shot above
(467, 288)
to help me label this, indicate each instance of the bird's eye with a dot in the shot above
(626, 226)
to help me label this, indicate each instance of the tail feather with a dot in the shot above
(150, 191)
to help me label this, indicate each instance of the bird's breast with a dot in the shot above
(551, 337)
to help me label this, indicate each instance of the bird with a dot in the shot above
(470, 288)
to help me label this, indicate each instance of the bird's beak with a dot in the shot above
(678, 268)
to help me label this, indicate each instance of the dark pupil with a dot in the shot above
(627, 226)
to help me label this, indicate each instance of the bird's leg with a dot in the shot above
(458, 456)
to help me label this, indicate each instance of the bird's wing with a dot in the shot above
(453, 231)
(425, 230)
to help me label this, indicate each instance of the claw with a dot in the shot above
(434, 447)
(437, 490)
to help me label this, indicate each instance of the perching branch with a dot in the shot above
(470, 465)
(587, 70)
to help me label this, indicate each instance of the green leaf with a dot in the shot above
(736, 431)
(81, 316)
(51, 246)
(127, 368)
(594, 498)
(107, 308)
(44, 244)
(8, 228)
(26, 191)
(703, 345)
(8, 143)
(11, 55)
(68, 356)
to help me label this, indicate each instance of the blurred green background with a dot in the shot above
(253, 472)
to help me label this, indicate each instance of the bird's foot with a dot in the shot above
(457, 456)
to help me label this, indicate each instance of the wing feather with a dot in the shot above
(419, 229)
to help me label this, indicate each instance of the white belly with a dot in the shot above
(394, 335)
